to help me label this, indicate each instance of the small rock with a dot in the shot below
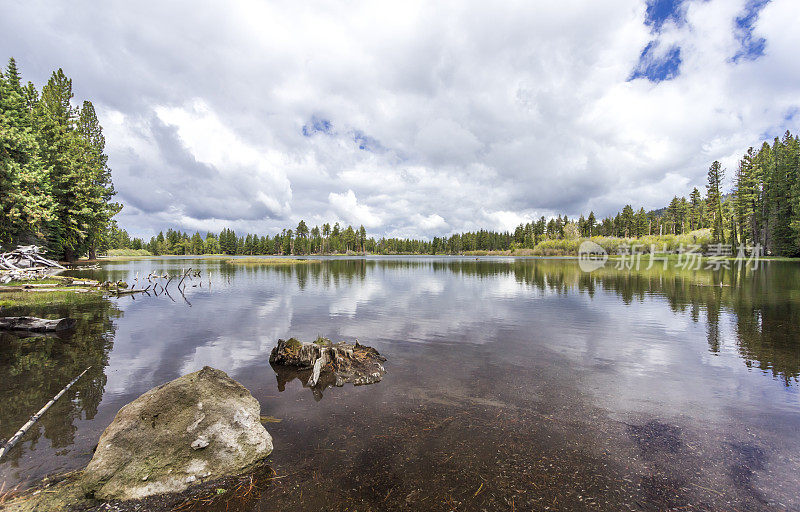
(199, 443)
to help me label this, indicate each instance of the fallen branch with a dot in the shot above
(21, 432)
(129, 292)
(184, 276)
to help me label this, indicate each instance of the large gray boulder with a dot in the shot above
(200, 426)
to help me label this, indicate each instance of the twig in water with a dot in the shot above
(184, 276)
(21, 432)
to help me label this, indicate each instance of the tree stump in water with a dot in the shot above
(324, 363)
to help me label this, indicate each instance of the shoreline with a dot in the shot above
(477, 254)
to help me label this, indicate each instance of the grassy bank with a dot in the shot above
(67, 296)
(487, 253)
(115, 253)
(53, 291)
(270, 261)
(612, 245)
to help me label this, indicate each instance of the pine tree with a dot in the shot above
(362, 237)
(695, 210)
(26, 204)
(627, 221)
(793, 156)
(673, 214)
(714, 201)
(63, 156)
(591, 221)
(98, 176)
(642, 223)
(683, 214)
(747, 197)
(781, 183)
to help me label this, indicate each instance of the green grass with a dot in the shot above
(55, 298)
(33, 281)
(487, 253)
(33, 297)
(112, 253)
(669, 243)
(269, 261)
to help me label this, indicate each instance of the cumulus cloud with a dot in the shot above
(346, 207)
(414, 118)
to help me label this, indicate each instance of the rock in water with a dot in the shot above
(201, 425)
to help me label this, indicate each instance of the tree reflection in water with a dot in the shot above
(767, 316)
(34, 368)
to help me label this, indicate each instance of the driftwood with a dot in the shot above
(323, 363)
(24, 263)
(21, 432)
(24, 257)
(129, 292)
(32, 324)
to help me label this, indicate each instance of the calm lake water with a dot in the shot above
(512, 384)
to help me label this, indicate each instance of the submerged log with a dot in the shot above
(29, 323)
(324, 363)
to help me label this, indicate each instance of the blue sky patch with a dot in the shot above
(317, 125)
(789, 122)
(657, 69)
(751, 47)
(661, 11)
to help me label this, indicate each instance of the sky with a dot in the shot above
(413, 118)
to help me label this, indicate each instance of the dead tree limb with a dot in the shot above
(21, 432)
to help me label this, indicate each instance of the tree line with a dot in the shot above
(55, 184)
(763, 207)
(56, 192)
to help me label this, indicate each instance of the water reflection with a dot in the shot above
(762, 301)
(530, 356)
(286, 375)
(34, 368)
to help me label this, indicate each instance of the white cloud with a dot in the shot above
(431, 223)
(346, 206)
(444, 116)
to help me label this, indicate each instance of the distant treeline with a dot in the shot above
(763, 208)
(55, 185)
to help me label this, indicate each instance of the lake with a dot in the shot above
(512, 384)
